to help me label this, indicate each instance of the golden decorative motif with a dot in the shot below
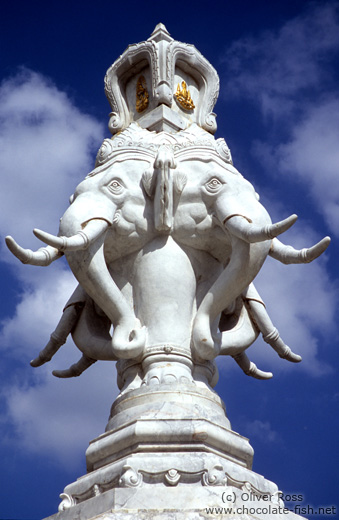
(142, 97)
(184, 97)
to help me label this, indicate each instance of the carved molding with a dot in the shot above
(135, 58)
(137, 475)
(204, 74)
(137, 140)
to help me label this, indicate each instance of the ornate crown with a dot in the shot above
(162, 84)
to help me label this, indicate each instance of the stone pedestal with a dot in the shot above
(169, 453)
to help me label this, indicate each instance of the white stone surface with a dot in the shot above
(177, 504)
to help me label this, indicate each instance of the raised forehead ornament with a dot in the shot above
(139, 141)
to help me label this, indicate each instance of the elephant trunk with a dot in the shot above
(91, 271)
(163, 199)
(83, 231)
(250, 245)
(246, 261)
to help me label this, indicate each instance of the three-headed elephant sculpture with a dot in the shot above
(165, 240)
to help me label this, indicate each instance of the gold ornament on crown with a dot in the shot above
(183, 96)
(142, 97)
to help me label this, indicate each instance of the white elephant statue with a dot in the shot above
(165, 238)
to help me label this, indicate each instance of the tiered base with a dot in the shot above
(170, 454)
(178, 503)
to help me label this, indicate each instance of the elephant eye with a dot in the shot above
(115, 187)
(213, 185)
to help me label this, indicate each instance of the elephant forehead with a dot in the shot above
(129, 169)
(199, 170)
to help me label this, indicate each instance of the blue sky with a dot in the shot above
(279, 112)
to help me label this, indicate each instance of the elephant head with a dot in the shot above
(108, 205)
(248, 232)
(186, 194)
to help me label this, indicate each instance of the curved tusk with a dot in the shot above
(81, 240)
(289, 255)
(75, 370)
(250, 368)
(43, 257)
(245, 230)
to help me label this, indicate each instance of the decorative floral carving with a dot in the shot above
(133, 56)
(248, 487)
(135, 138)
(193, 59)
(215, 476)
(223, 150)
(172, 477)
(180, 181)
(210, 123)
(115, 123)
(130, 477)
(67, 502)
(103, 153)
(150, 55)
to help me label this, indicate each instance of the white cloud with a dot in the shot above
(57, 418)
(275, 68)
(263, 431)
(37, 312)
(50, 416)
(47, 147)
(290, 73)
(301, 301)
(312, 154)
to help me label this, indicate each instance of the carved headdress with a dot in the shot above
(162, 84)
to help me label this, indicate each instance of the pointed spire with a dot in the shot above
(160, 33)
